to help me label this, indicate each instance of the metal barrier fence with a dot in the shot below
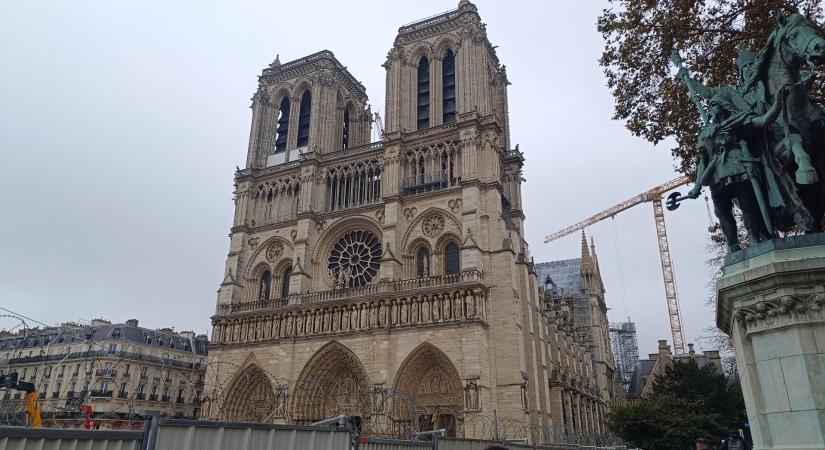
(392, 444)
(475, 444)
(175, 434)
(22, 438)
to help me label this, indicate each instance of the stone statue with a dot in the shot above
(763, 140)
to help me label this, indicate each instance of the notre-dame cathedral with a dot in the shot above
(394, 269)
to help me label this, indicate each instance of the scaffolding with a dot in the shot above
(625, 349)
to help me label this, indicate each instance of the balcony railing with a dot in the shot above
(473, 276)
(104, 354)
(55, 394)
(140, 396)
(179, 400)
(107, 393)
(106, 373)
(153, 397)
(122, 394)
(165, 398)
(426, 182)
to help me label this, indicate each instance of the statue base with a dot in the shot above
(771, 301)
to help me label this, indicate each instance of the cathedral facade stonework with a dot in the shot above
(400, 265)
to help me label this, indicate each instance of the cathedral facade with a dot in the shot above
(397, 267)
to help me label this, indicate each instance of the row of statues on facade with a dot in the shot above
(762, 146)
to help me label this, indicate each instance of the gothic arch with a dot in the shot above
(425, 50)
(259, 255)
(446, 43)
(249, 397)
(428, 375)
(452, 225)
(302, 84)
(332, 382)
(278, 95)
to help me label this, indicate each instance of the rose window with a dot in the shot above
(355, 259)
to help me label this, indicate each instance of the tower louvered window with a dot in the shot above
(423, 93)
(451, 258)
(283, 126)
(303, 119)
(345, 131)
(422, 263)
(285, 282)
(448, 91)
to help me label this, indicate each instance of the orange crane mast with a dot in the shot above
(653, 195)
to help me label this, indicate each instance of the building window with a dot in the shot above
(104, 386)
(448, 91)
(355, 259)
(452, 263)
(285, 282)
(266, 283)
(303, 119)
(283, 126)
(423, 93)
(56, 392)
(345, 131)
(422, 263)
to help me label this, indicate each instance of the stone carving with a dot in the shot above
(409, 213)
(379, 216)
(472, 397)
(293, 234)
(433, 225)
(274, 251)
(320, 225)
(253, 242)
(771, 311)
(455, 205)
(759, 137)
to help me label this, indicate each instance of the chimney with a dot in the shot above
(653, 356)
(691, 352)
(132, 323)
(713, 357)
(99, 322)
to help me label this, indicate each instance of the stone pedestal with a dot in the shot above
(771, 300)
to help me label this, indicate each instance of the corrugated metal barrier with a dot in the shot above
(22, 438)
(473, 444)
(391, 444)
(199, 435)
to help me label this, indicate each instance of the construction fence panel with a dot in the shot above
(199, 435)
(392, 444)
(24, 438)
(475, 444)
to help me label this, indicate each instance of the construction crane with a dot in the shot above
(654, 195)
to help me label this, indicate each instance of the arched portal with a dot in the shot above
(333, 382)
(249, 397)
(428, 375)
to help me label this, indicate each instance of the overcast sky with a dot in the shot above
(121, 126)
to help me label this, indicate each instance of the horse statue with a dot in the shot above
(763, 140)
(797, 138)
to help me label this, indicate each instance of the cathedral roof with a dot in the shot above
(564, 275)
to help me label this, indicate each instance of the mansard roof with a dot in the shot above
(324, 59)
(564, 276)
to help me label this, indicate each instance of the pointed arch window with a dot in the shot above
(303, 119)
(422, 263)
(423, 93)
(283, 126)
(452, 263)
(265, 285)
(285, 282)
(448, 87)
(345, 131)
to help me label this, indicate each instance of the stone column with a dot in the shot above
(770, 300)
